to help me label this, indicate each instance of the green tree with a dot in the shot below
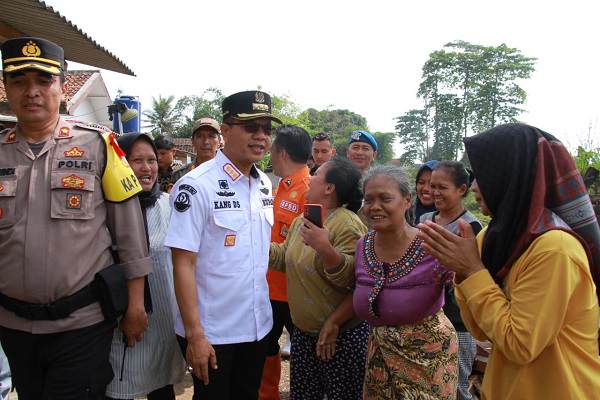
(466, 88)
(336, 122)
(192, 108)
(162, 117)
(413, 133)
(498, 96)
(286, 109)
(385, 146)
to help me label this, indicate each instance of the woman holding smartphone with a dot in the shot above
(334, 368)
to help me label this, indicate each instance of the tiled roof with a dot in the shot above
(75, 79)
(184, 144)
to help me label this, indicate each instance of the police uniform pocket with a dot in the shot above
(8, 192)
(72, 195)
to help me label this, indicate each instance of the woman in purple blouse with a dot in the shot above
(412, 351)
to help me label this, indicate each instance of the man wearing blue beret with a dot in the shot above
(362, 149)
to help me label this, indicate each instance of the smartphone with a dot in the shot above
(314, 213)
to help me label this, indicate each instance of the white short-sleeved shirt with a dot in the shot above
(226, 218)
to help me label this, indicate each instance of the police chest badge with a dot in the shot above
(230, 240)
(74, 201)
(73, 182)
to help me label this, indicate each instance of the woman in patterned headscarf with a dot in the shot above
(532, 287)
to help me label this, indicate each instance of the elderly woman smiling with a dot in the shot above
(412, 351)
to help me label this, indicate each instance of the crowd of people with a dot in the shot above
(126, 271)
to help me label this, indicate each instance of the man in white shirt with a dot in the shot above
(219, 235)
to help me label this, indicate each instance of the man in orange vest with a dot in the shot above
(289, 153)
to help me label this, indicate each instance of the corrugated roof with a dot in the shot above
(35, 18)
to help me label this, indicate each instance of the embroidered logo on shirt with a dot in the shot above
(223, 184)
(73, 201)
(74, 152)
(230, 240)
(231, 171)
(284, 230)
(64, 131)
(264, 190)
(73, 181)
(293, 195)
(189, 188)
(226, 193)
(288, 205)
(182, 202)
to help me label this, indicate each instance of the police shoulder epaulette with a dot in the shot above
(91, 126)
(5, 131)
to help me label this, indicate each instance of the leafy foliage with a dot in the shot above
(470, 204)
(163, 117)
(466, 88)
(587, 158)
(208, 105)
(413, 133)
(284, 107)
(264, 162)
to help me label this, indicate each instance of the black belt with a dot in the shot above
(52, 311)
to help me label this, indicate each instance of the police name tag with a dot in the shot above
(224, 204)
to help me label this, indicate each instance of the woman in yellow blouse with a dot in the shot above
(529, 281)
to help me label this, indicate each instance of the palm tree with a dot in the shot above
(162, 117)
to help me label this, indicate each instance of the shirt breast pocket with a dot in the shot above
(72, 195)
(233, 237)
(8, 201)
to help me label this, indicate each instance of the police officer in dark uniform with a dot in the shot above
(65, 195)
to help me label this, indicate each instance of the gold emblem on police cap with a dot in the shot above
(260, 97)
(31, 49)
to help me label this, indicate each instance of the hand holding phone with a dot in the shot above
(314, 213)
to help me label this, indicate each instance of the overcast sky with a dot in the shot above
(364, 56)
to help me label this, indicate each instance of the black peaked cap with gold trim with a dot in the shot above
(29, 52)
(248, 105)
